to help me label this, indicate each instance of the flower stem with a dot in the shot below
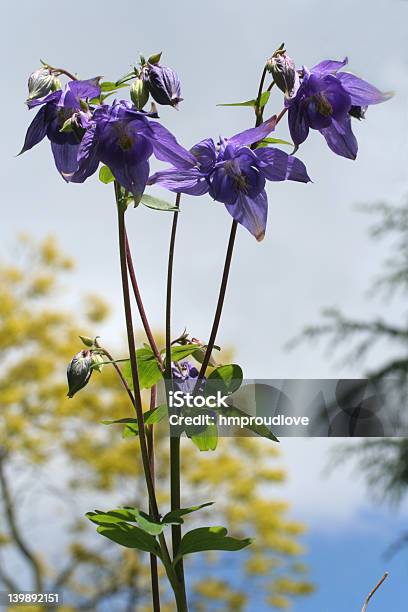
(133, 360)
(150, 449)
(153, 559)
(180, 598)
(175, 495)
(230, 249)
(62, 71)
(258, 109)
(140, 305)
(220, 303)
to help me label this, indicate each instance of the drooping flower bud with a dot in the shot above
(79, 371)
(139, 93)
(42, 82)
(283, 70)
(163, 84)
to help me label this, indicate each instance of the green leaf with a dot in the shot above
(150, 418)
(157, 203)
(105, 175)
(148, 369)
(111, 517)
(262, 102)
(227, 379)
(131, 430)
(181, 352)
(176, 515)
(87, 341)
(146, 523)
(260, 430)
(156, 414)
(119, 421)
(199, 355)
(133, 515)
(130, 536)
(207, 439)
(267, 141)
(209, 538)
(109, 86)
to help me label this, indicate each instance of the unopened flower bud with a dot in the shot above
(42, 82)
(79, 372)
(283, 70)
(139, 93)
(163, 84)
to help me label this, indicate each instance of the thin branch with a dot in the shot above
(375, 589)
(15, 532)
(8, 582)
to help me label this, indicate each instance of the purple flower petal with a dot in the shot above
(191, 182)
(298, 125)
(252, 213)
(327, 100)
(87, 157)
(238, 172)
(276, 165)
(166, 148)
(132, 176)
(252, 135)
(36, 130)
(80, 90)
(205, 154)
(329, 66)
(361, 92)
(341, 139)
(51, 97)
(65, 157)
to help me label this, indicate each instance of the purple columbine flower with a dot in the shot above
(185, 376)
(124, 139)
(325, 101)
(56, 109)
(164, 84)
(234, 174)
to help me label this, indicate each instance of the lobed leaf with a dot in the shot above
(209, 538)
(131, 537)
(148, 369)
(176, 515)
(226, 378)
(157, 203)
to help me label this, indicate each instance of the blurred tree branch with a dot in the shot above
(14, 530)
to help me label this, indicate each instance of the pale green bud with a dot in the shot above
(139, 93)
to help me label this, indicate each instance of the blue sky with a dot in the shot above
(316, 252)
